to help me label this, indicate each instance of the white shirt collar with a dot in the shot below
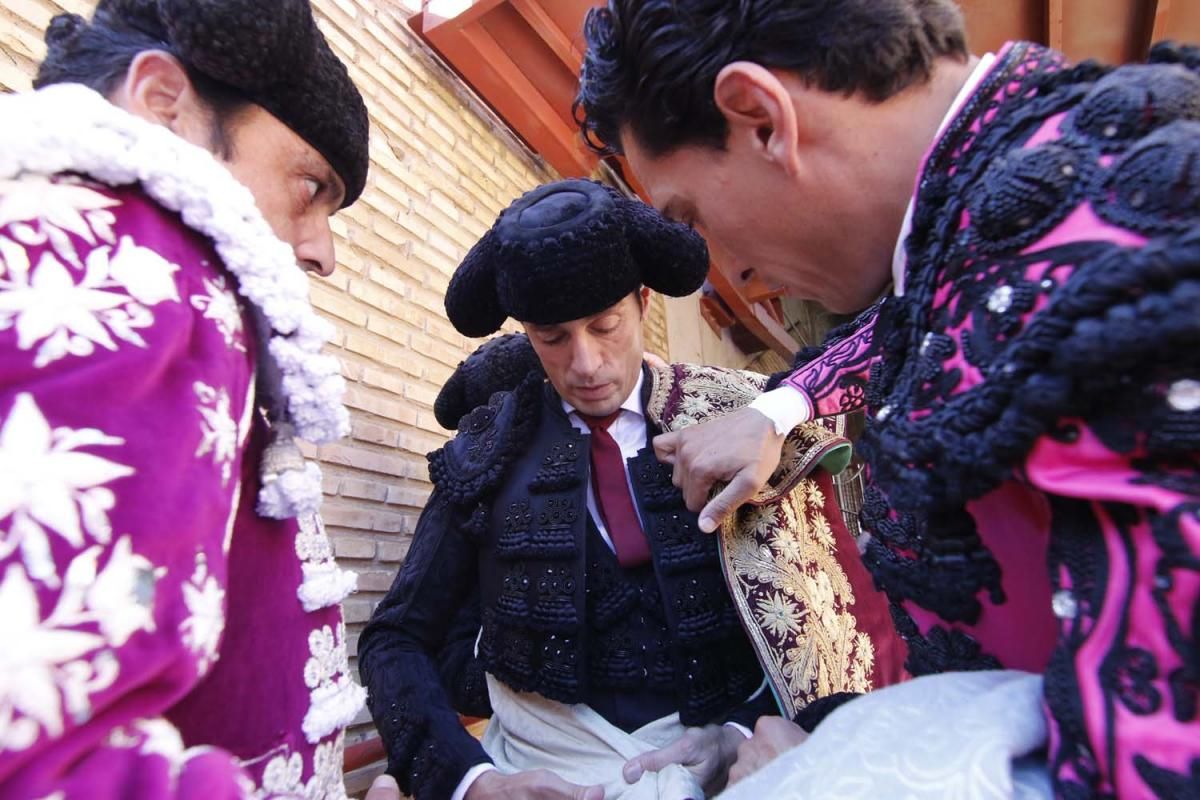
(899, 255)
(632, 404)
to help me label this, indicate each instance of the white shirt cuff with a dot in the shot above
(465, 784)
(785, 406)
(742, 729)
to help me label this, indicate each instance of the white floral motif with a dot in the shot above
(49, 668)
(221, 306)
(60, 207)
(46, 483)
(283, 776)
(218, 428)
(63, 316)
(120, 598)
(205, 599)
(334, 697)
(325, 583)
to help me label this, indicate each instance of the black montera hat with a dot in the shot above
(269, 51)
(568, 250)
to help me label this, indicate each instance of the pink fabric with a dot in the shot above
(1014, 523)
(154, 416)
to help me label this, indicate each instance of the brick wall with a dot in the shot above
(442, 169)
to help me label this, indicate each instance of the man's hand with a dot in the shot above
(705, 752)
(772, 736)
(384, 788)
(741, 448)
(538, 784)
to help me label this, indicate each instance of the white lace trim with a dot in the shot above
(70, 128)
(325, 583)
(334, 698)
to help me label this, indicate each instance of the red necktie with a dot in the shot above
(612, 494)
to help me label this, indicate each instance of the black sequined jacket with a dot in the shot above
(1034, 409)
(503, 542)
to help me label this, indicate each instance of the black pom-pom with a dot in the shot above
(498, 365)
(250, 45)
(472, 304)
(672, 257)
(64, 29)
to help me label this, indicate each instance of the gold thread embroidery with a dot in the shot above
(781, 561)
(779, 555)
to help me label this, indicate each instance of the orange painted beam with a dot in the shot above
(753, 315)
(485, 65)
(537, 18)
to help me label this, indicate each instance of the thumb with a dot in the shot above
(736, 493)
(665, 446)
(385, 788)
(590, 793)
(654, 760)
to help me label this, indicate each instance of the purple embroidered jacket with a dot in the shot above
(154, 643)
(1034, 402)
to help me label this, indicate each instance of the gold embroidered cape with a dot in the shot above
(816, 622)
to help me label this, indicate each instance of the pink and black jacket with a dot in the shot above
(1034, 409)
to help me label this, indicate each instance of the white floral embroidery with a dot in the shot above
(48, 667)
(65, 317)
(150, 737)
(218, 428)
(325, 583)
(334, 698)
(148, 277)
(120, 598)
(283, 776)
(47, 484)
(92, 137)
(221, 306)
(59, 208)
(205, 600)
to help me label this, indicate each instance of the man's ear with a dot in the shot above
(644, 299)
(760, 112)
(157, 88)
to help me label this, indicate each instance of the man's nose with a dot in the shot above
(314, 251)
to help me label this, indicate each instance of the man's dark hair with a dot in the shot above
(651, 65)
(98, 55)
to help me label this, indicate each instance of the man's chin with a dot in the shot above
(596, 407)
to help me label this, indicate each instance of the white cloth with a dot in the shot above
(960, 735)
(528, 732)
(628, 430)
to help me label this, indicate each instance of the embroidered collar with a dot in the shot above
(70, 128)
